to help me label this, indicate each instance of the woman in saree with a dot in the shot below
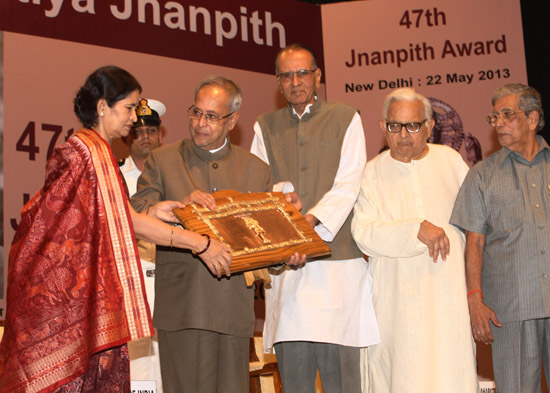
(75, 286)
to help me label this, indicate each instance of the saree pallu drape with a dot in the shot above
(75, 285)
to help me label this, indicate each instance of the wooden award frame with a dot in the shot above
(261, 229)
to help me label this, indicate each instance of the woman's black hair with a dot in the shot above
(110, 83)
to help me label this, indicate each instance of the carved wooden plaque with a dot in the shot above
(261, 229)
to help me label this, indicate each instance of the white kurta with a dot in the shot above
(421, 306)
(325, 301)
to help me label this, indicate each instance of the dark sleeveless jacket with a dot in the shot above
(306, 152)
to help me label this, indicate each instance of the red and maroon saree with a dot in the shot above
(75, 286)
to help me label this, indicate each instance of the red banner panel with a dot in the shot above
(245, 34)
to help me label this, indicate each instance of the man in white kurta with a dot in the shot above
(318, 316)
(325, 301)
(407, 194)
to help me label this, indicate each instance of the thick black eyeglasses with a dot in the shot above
(412, 127)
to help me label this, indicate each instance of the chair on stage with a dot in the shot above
(264, 373)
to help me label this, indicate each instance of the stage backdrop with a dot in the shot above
(51, 46)
(455, 53)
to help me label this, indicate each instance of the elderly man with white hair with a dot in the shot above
(401, 221)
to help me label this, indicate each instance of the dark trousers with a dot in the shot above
(519, 350)
(201, 361)
(339, 367)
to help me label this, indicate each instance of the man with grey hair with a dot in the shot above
(204, 321)
(319, 316)
(504, 208)
(401, 221)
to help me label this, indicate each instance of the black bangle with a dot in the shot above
(206, 247)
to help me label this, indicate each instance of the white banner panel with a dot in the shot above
(456, 53)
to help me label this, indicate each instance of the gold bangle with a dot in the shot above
(171, 235)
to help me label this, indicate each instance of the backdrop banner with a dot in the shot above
(454, 53)
(243, 34)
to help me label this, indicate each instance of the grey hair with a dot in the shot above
(294, 47)
(529, 99)
(407, 94)
(235, 95)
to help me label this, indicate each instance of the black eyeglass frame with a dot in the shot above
(413, 124)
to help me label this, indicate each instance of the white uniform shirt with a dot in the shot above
(144, 353)
(131, 173)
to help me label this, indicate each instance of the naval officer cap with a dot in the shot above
(149, 112)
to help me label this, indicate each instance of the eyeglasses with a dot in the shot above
(412, 127)
(289, 76)
(506, 116)
(212, 118)
(150, 131)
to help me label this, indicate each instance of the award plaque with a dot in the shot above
(260, 229)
